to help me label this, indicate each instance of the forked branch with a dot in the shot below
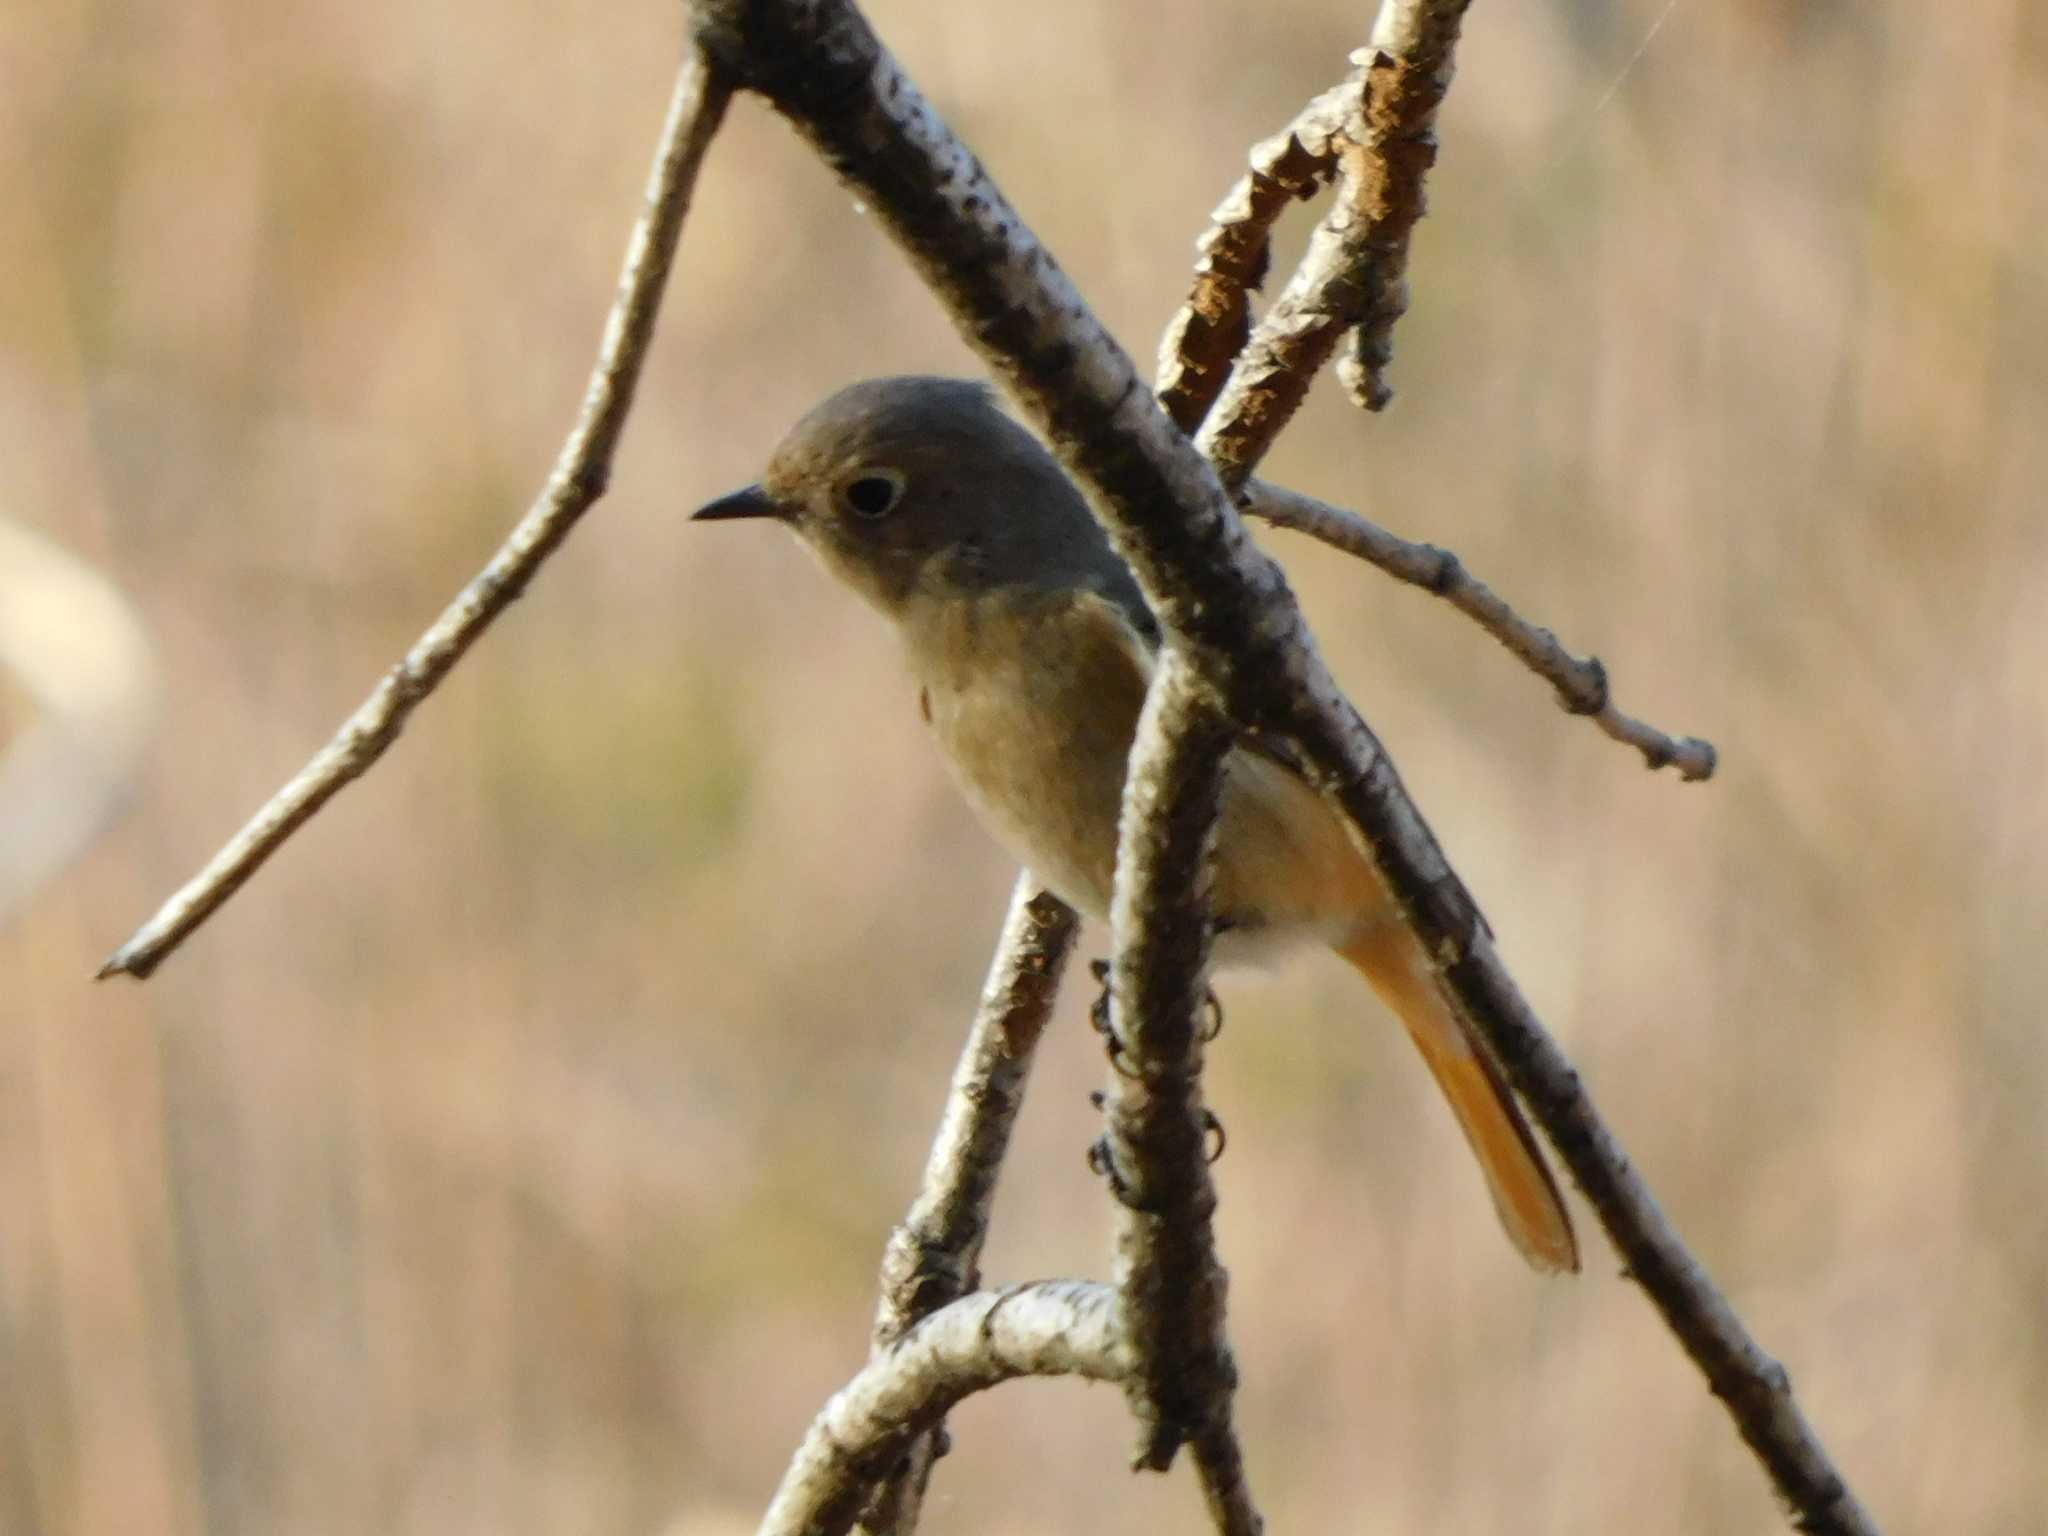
(1352, 279)
(1373, 135)
(1207, 333)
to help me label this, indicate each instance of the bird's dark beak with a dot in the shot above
(748, 501)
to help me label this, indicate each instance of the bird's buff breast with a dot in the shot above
(1034, 702)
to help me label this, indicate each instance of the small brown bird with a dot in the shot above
(1031, 647)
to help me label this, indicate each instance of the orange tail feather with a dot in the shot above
(1517, 1177)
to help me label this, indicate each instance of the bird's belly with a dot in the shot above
(1035, 707)
(1045, 775)
(1049, 785)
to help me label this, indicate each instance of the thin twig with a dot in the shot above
(1580, 681)
(1170, 1286)
(1206, 334)
(1052, 1328)
(576, 482)
(932, 1258)
(1351, 279)
(821, 66)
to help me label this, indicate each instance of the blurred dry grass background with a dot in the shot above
(515, 1153)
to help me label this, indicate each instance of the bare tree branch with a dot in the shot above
(1208, 332)
(1581, 682)
(576, 482)
(1223, 602)
(1052, 1328)
(932, 1257)
(1170, 1286)
(1352, 277)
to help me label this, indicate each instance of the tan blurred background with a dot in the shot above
(514, 1154)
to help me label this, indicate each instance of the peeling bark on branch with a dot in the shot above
(1206, 335)
(1352, 279)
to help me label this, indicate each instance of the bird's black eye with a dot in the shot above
(873, 493)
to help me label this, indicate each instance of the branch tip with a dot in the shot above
(582, 470)
(1580, 682)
